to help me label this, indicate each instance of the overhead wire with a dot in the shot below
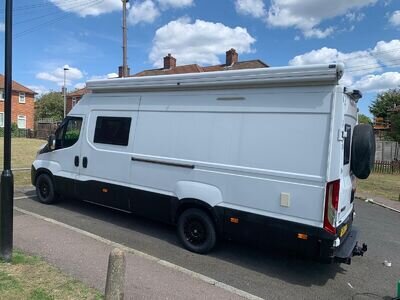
(33, 6)
(64, 15)
(81, 5)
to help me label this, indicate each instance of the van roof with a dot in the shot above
(311, 74)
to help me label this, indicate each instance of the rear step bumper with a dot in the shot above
(350, 248)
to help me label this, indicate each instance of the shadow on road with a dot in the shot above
(280, 264)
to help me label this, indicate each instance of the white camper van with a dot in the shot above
(266, 154)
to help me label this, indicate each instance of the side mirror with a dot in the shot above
(51, 142)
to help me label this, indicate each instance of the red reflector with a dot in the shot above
(331, 205)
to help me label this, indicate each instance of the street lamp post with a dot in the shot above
(7, 179)
(65, 90)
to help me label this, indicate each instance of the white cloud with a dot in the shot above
(360, 66)
(57, 75)
(378, 82)
(318, 33)
(84, 8)
(395, 18)
(145, 12)
(2, 27)
(175, 3)
(388, 52)
(355, 17)
(80, 85)
(358, 62)
(39, 89)
(199, 42)
(112, 75)
(305, 15)
(102, 77)
(253, 8)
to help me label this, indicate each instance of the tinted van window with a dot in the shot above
(112, 130)
(347, 144)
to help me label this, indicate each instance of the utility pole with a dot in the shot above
(124, 40)
(7, 179)
(65, 90)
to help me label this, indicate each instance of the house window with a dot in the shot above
(21, 122)
(1, 119)
(112, 130)
(1, 95)
(21, 97)
(74, 101)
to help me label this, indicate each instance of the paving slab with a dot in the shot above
(86, 259)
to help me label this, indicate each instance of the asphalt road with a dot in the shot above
(266, 273)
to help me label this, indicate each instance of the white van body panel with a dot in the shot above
(200, 191)
(265, 142)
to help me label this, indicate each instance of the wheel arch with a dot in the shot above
(41, 171)
(215, 214)
(193, 194)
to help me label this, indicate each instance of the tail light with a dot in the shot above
(331, 205)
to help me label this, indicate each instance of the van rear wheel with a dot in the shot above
(45, 189)
(196, 231)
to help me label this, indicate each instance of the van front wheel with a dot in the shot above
(45, 189)
(196, 231)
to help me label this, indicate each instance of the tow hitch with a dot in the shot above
(350, 248)
(359, 251)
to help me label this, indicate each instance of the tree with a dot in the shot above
(363, 119)
(384, 102)
(395, 126)
(50, 105)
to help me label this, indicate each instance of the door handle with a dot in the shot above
(76, 161)
(84, 162)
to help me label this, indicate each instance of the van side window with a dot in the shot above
(347, 141)
(68, 133)
(112, 130)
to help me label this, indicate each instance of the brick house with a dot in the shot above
(74, 97)
(231, 63)
(170, 67)
(23, 105)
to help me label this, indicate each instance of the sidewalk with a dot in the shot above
(85, 258)
(380, 200)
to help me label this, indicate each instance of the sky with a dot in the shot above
(86, 36)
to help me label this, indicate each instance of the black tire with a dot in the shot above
(45, 189)
(363, 151)
(196, 231)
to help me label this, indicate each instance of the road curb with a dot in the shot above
(164, 263)
(372, 201)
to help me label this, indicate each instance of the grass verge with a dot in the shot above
(23, 153)
(29, 277)
(381, 185)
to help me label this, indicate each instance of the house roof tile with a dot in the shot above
(16, 86)
(79, 92)
(194, 68)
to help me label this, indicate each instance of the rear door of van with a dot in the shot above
(346, 196)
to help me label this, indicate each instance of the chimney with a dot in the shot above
(231, 57)
(169, 62)
(121, 72)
